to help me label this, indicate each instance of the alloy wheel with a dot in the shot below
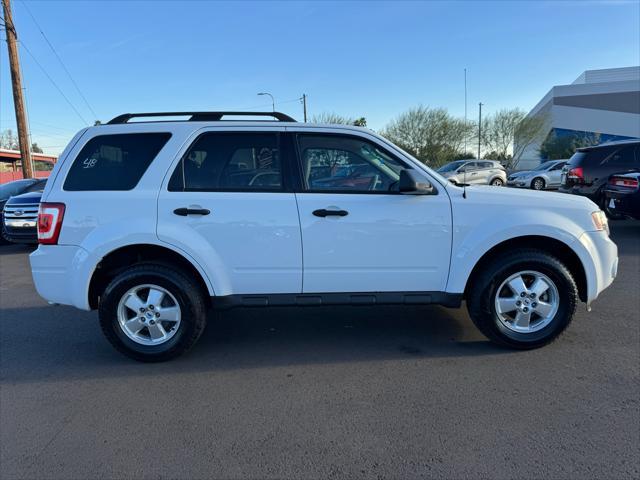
(526, 301)
(149, 314)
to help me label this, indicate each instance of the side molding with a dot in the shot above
(452, 300)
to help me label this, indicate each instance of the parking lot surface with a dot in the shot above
(322, 392)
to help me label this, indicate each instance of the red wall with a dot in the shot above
(10, 176)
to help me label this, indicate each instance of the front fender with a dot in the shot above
(471, 240)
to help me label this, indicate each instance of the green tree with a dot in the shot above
(360, 122)
(557, 148)
(35, 148)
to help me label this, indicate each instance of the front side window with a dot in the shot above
(350, 164)
(114, 162)
(230, 162)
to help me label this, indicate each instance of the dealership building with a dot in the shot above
(601, 104)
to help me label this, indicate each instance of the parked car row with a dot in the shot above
(591, 170)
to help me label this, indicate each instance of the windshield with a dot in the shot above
(12, 188)
(543, 166)
(449, 167)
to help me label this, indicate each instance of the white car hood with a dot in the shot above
(513, 196)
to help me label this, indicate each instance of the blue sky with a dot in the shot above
(372, 59)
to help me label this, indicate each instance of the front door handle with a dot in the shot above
(183, 212)
(325, 213)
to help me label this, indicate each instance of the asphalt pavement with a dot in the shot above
(354, 392)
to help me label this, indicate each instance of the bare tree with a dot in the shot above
(332, 118)
(508, 132)
(8, 140)
(531, 129)
(430, 134)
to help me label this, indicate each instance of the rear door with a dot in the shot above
(555, 174)
(227, 203)
(474, 174)
(359, 233)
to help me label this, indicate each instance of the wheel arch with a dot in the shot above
(118, 259)
(552, 246)
(539, 177)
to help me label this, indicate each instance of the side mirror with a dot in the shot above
(412, 183)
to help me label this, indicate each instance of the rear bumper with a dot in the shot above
(57, 274)
(602, 263)
(624, 203)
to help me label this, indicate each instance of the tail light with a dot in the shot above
(50, 217)
(576, 174)
(624, 182)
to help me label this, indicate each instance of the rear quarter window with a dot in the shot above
(114, 162)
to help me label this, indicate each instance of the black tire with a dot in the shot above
(3, 239)
(497, 182)
(538, 183)
(481, 294)
(189, 297)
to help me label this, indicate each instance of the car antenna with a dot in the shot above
(464, 182)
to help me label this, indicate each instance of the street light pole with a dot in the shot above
(479, 129)
(273, 102)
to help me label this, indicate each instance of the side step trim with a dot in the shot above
(355, 298)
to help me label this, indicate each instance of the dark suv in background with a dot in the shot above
(589, 169)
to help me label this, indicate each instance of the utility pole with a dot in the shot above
(304, 106)
(479, 129)
(16, 84)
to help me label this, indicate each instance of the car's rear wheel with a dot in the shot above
(497, 182)
(523, 300)
(152, 313)
(538, 184)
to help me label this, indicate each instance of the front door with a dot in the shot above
(359, 233)
(228, 206)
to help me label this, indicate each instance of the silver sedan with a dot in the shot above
(545, 176)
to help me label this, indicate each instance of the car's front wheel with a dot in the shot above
(152, 313)
(523, 300)
(538, 184)
(497, 182)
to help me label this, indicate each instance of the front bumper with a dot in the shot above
(518, 183)
(57, 272)
(20, 234)
(601, 266)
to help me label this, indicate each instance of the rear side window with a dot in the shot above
(230, 162)
(114, 162)
(625, 157)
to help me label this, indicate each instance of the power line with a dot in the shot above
(59, 59)
(53, 82)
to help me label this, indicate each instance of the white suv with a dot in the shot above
(155, 222)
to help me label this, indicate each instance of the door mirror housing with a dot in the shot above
(413, 183)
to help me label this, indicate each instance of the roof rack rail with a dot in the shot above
(200, 116)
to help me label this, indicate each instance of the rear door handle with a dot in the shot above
(183, 212)
(325, 213)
